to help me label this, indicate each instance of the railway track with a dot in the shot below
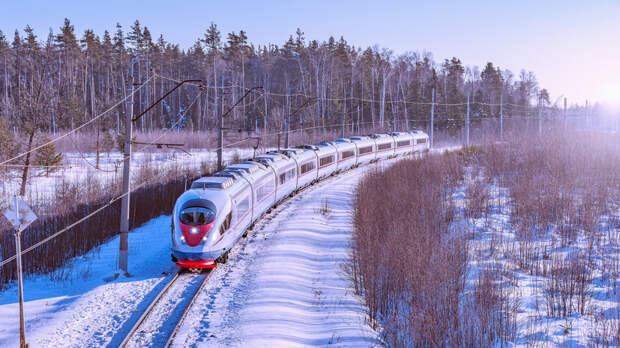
(159, 323)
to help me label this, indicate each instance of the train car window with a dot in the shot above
(421, 141)
(243, 206)
(404, 143)
(326, 160)
(347, 154)
(286, 176)
(385, 146)
(264, 190)
(306, 167)
(195, 216)
(366, 149)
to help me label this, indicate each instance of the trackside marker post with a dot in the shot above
(20, 216)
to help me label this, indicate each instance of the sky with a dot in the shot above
(573, 47)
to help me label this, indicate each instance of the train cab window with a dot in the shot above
(282, 178)
(226, 223)
(326, 160)
(404, 143)
(195, 216)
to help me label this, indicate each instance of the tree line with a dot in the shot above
(55, 83)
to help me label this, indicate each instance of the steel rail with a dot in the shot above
(149, 309)
(187, 308)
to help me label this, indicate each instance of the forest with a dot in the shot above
(55, 83)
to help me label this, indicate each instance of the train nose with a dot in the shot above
(194, 234)
(195, 223)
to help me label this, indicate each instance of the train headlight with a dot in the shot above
(194, 230)
(182, 238)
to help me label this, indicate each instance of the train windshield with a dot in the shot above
(195, 216)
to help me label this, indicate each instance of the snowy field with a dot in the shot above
(285, 285)
(78, 167)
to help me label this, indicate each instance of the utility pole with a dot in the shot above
(539, 115)
(467, 124)
(20, 286)
(344, 103)
(565, 119)
(287, 121)
(221, 128)
(501, 116)
(125, 204)
(123, 251)
(20, 218)
(432, 115)
(220, 138)
(587, 118)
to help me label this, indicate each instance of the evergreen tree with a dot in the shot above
(47, 157)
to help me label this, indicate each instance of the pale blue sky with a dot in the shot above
(572, 46)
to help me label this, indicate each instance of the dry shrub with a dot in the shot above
(564, 181)
(410, 259)
(566, 288)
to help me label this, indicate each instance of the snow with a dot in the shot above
(76, 170)
(495, 243)
(285, 285)
(75, 306)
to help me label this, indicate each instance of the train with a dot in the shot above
(211, 216)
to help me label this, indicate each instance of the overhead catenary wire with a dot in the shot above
(80, 126)
(386, 101)
(67, 228)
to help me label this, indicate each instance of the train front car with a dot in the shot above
(199, 218)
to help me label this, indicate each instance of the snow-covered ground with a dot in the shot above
(496, 245)
(285, 285)
(77, 167)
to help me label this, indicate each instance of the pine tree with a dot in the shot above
(48, 157)
(8, 146)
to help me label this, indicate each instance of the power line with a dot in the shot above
(79, 127)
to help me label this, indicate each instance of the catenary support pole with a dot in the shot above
(124, 233)
(220, 135)
(501, 116)
(287, 121)
(539, 115)
(432, 116)
(467, 124)
(565, 119)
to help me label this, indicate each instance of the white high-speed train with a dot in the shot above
(216, 211)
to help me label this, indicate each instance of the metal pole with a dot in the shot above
(467, 124)
(565, 120)
(20, 285)
(501, 116)
(288, 118)
(587, 118)
(432, 115)
(344, 103)
(124, 235)
(220, 136)
(539, 115)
